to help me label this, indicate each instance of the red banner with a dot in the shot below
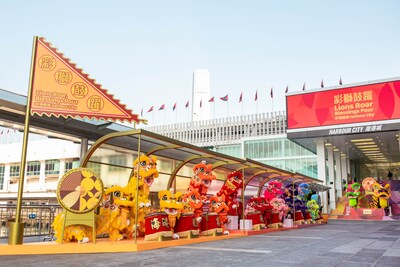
(364, 103)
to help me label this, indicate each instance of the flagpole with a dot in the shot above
(153, 116)
(164, 115)
(214, 110)
(176, 115)
(17, 227)
(227, 108)
(257, 106)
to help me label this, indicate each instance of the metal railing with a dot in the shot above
(37, 219)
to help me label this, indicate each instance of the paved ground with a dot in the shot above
(339, 243)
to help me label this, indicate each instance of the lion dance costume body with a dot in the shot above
(118, 210)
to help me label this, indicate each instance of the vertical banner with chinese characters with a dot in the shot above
(61, 89)
(363, 103)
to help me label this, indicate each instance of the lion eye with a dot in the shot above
(164, 197)
(201, 169)
(143, 163)
(117, 194)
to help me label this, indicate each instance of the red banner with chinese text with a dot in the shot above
(364, 103)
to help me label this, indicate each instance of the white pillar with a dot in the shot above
(6, 184)
(42, 175)
(331, 175)
(338, 175)
(345, 174)
(322, 172)
(62, 169)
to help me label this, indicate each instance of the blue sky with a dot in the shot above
(145, 52)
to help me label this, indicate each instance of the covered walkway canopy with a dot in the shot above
(140, 141)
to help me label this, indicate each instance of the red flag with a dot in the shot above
(322, 83)
(304, 86)
(211, 99)
(241, 97)
(287, 89)
(225, 98)
(174, 107)
(151, 109)
(162, 107)
(272, 93)
(141, 113)
(256, 96)
(340, 81)
(187, 104)
(201, 103)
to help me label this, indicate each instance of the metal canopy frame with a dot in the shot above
(255, 173)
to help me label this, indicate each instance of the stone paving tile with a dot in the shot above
(364, 258)
(355, 264)
(388, 261)
(389, 238)
(354, 246)
(380, 244)
(395, 252)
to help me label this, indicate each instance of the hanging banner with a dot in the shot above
(356, 104)
(61, 89)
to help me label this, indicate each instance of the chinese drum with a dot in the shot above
(157, 226)
(257, 220)
(186, 226)
(210, 224)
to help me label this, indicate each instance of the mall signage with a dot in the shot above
(372, 102)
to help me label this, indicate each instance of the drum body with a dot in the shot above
(298, 217)
(275, 221)
(187, 226)
(157, 226)
(210, 224)
(257, 220)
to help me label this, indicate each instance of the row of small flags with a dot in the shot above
(226, 98)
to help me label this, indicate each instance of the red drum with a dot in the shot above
(210, 224)
(267, 216)
(156, 226)
(210, 221)
(256, 217)
(308, 216)
(275, 218)
(186, 224)
(257, 220)
(298, 216)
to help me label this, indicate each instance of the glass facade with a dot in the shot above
(282, 153)
(33, 168)
(277, 151)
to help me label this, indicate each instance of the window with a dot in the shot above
(2, 169)
(95, 167)
(33, 168)
(70, 164)
(116, 160)
(14, 170)
(52, 166)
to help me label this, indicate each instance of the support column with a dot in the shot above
(338, 175)
(42, 175)
(6, 181)
(345, 174)
(331, 175)
(84, 147)
(322, 172)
